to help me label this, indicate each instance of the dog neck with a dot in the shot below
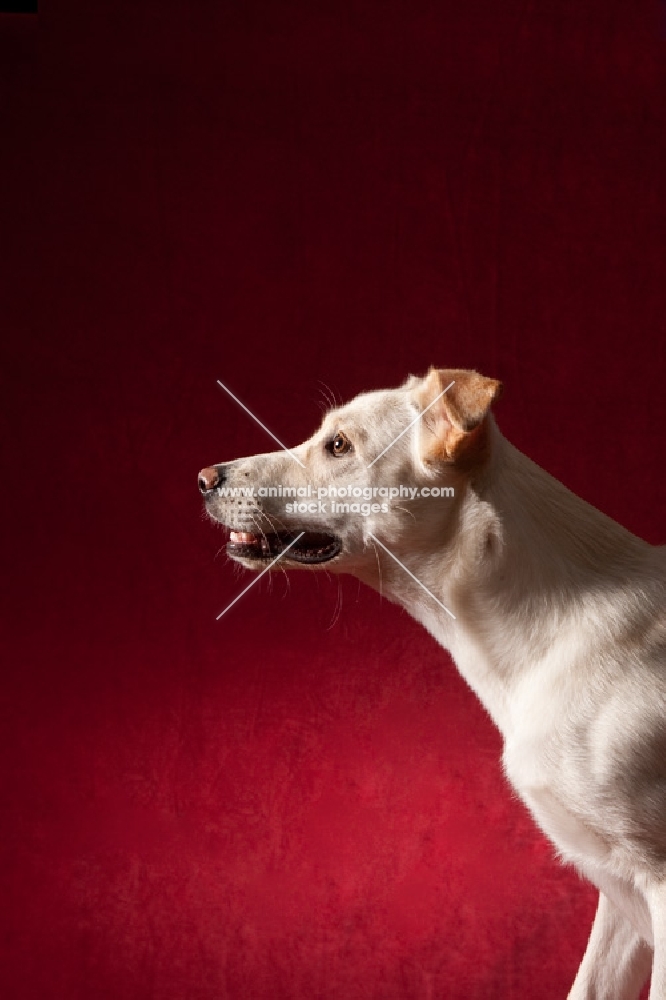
(518, 569)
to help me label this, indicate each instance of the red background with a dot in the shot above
(292, 802)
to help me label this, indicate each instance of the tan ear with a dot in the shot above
(454, 403)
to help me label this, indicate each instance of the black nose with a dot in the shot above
(212, 476)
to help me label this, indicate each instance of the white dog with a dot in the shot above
(554, 614)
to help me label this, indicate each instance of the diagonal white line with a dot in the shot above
(257, 578)
(415, 578)
(417, 417)
(263, 426)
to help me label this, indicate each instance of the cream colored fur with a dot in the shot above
(560, 630)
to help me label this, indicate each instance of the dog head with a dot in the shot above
(388, 466)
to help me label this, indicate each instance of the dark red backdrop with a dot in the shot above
(291, 803)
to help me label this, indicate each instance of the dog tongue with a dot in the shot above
(242, 537)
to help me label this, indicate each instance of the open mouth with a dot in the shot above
(312, 547)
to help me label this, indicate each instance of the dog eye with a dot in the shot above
(339, 445)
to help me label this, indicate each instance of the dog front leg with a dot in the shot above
(657, 904)
(617, 959)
